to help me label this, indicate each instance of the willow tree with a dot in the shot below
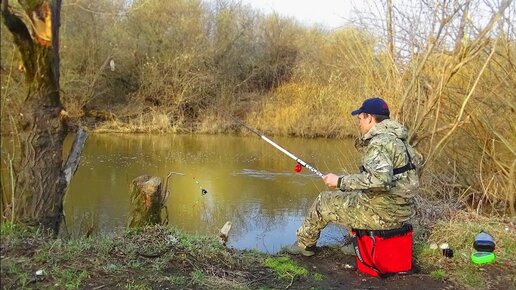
(41, 177)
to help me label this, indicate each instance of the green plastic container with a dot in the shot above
(480, 258)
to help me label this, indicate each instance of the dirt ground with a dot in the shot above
(338, 275)
(333, 266)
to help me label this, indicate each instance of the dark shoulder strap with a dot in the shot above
(409, 166)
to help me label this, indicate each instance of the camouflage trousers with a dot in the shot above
(354, 210)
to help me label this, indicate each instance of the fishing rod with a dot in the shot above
(298, 160)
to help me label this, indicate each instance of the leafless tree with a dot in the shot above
(41, 178)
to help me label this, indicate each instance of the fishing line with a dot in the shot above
(203, 192)
(200, 198)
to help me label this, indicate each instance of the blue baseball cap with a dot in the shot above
(375, 106)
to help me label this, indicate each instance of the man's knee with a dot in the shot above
(330, 195)
(322, 200)
(323, 195)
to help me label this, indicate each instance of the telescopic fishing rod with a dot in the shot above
(298, 160)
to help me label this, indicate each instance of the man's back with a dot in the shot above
(388, 155)
(388, 138)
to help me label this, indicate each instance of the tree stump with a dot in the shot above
(147, 200)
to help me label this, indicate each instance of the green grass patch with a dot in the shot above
(111, 268)
(179, 280)
(41, 256)
(15, 232)
(134, 286)
(7, 228)
(285, 267)
(438, 274)
(198, 277)
(472, 276)
(70, 278)
(20, 276)
(318, 277)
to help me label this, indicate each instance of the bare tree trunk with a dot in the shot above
(3, 202)
(390, 32)
(459, 41)
(41, 183)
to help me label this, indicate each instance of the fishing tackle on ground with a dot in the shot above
(484, 242)
(480, 258)
(484, 245)
(298, 160)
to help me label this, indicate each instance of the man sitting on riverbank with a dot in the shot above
(377, 198)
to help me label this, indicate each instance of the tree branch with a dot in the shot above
(72, 163)
(439, 145)
(435, 131)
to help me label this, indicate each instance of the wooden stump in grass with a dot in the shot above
(147, 199)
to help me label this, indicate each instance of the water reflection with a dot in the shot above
(249, 183)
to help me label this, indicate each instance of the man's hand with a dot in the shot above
(331, 180)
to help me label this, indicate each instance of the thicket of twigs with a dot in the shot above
(447, 68)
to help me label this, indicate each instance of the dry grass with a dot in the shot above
(145, 123)
(305, 109)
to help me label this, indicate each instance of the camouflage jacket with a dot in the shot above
(385, 148)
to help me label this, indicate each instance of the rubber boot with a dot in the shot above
(295, 249)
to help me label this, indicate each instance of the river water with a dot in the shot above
(248, 182)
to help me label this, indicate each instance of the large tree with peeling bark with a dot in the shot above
(42, 178)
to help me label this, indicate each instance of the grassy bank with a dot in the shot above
(139, 259)
(162, 257)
